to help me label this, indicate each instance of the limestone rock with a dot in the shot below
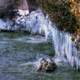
(46, 65)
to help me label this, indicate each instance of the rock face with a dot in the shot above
(66, 13)
(23, 5)
(33, 5)
(75, 10)
(5, 4)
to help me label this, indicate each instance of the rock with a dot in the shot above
(76, 39)
(33, 5)
(65, 13)
(42, 65)
(23, 7)
(7, 7)
(23, 12)
(46, 65)
(5, 4)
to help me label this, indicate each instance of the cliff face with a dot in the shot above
(75, 10)
(33, 4)
(66, 13)
(23, 5)
(7, 6)
(4, 4)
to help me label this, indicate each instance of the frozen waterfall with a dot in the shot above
(36, 22)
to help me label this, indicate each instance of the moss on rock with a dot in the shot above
(60, 12)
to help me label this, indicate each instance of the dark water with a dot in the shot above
(18, 48)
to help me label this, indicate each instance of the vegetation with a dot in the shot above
(66, 13)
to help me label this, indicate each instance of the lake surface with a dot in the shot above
(20, 48)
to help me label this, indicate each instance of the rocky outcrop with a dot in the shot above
(23, 5)
(65, 13)
(33, 5)
(75, 10)
(8, 7)
(5, 5)
(46, 65)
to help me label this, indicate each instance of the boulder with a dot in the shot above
(46, 65)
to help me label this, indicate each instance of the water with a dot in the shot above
(65, 48)
(37, 23)
(17, 49)
(15, 52)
